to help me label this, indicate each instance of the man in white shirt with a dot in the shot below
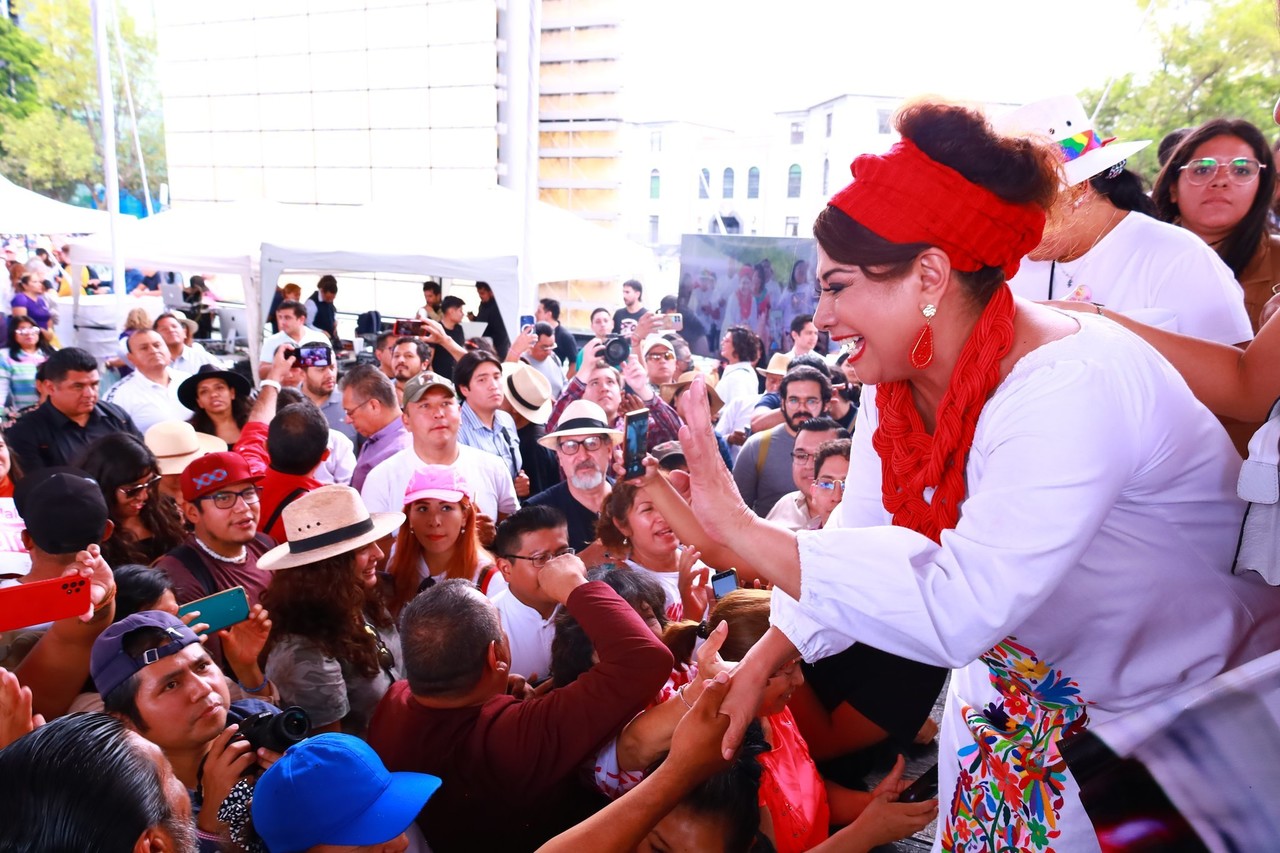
(431, 414)
(188, 359)
(292, 319)
(804, 335)
(320, 386)
(524, 543)
(150, 393)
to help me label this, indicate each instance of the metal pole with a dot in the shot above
(111, 172)
(133, 113)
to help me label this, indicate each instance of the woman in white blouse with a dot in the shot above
(1034, 499)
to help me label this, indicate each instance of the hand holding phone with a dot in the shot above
(220, 610)
(39, 602)
(923, 788)
(723, 583)
(636, 431)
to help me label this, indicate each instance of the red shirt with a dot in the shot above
(509, 767)
(276, 486)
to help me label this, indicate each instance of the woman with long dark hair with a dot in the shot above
(147, 523)
(27, 348)
(220, 400)
(970, 396)
(334, 649)
(1219, 184)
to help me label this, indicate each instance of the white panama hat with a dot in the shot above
(1063, 120)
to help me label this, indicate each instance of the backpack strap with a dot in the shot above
(279, 510)
(192, 561)
(764, 451)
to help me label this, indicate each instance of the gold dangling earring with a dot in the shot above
(922, 353)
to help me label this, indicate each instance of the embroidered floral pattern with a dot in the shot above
(1009, 793)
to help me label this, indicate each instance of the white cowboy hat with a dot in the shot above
(176, 444)
(324, 523)
(581, 417)
(527, 390)
(1065, 122)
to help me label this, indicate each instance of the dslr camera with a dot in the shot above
(276, 732)
(616, 350)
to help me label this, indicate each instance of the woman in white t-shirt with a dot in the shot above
(630, 524)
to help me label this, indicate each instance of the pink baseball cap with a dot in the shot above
(438, 482)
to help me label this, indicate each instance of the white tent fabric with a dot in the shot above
(461, 233)
(467, 234)
(25, 212)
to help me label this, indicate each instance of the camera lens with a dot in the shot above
(294, 723)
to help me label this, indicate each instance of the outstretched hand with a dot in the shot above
(695, 584)
(16, 718)
(712, 491)
(695, 742)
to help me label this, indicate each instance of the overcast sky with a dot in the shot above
(722, 60)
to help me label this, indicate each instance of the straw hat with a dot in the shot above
(778, 364)
(176, 444)
(671, 389)
(581, 417)
(1065, 122)
(324, 523)
(190, 386)
(527, 390)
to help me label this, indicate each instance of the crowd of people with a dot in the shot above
(418, 602)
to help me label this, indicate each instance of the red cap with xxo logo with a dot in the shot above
(213, 473)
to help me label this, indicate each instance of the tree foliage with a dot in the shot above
(19, 65)
(1217, 58)
(45, 149)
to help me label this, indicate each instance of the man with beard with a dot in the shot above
(584, 444)
(319, 385)
(409, 357)
(762, 470)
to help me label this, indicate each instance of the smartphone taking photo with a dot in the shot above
(636, 442)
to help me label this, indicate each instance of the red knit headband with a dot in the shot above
(906, 197)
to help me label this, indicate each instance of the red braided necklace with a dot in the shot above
(911, 459)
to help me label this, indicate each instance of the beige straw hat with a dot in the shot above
(528, 391)
(670, 389)
(176, 444)
(778, 364)
(324, 523)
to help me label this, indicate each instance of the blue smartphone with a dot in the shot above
(220, 610)
(526, 320)
(636, 436)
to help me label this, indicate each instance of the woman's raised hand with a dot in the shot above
(712, 492)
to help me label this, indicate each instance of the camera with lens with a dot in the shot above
(616, 350)
(276, 732)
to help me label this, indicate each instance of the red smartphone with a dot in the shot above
(43, 601)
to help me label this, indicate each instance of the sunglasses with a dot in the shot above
(1241, 170)
(131, 492)
(385, 659)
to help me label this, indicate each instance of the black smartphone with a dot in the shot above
(636, 433)
(924, 788)
(723, 583)
(312, 355)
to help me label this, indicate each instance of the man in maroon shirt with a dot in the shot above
(508, 766)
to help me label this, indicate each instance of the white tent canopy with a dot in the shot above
(25, 212)
(467, 234)
(461, 233)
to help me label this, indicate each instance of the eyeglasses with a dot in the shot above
(354, 409)
(1241, 170)
(226, 500)
(661, 356)
(807, 402)
(592, 443)
(27, 330)
(131, 492)
(540, 560)
(829, 484)
(801, 456)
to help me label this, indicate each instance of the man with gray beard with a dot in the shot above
(583, 442)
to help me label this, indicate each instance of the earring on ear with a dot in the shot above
(922, 353)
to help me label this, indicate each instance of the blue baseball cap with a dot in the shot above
(333, 789)
(111, 667)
